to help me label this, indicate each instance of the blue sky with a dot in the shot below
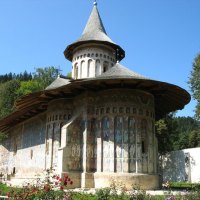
(160, 37)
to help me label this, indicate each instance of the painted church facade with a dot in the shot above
(98, 126)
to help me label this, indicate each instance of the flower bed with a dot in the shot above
(54, 187)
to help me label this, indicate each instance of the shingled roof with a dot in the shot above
(119, 71)
(168, 97)
(60, 81)
(94, 32)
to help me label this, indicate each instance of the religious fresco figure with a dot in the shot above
(132, 151)
(118, 137)
(125, 136)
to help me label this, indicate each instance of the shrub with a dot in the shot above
(51, 188)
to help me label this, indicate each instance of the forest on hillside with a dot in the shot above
(14, 86)
(173, 133)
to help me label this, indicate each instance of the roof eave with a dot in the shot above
(71, 48)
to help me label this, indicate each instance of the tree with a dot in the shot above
(194, 81)
(27, 87)
(194, 138)
(8, 97)
(69, 75)
(166, 133)
(14, 86)
(176, 133)
(3, 136)
(45, 76)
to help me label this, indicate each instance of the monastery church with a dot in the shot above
(97, 126)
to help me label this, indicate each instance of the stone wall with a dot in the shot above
(182, 165)
(123, 139)
(58, 113)
(24, 150)
(96, 133)
(111, 133)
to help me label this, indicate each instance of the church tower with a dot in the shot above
(94, 52)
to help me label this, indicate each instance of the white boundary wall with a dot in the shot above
(183, 165)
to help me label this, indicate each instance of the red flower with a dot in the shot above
(46, 188)
(61, 188)
(60, 179)
(56, 183)
(34, 190)
(8, 194)
(65, 183)
(57, 177)
(66, 175)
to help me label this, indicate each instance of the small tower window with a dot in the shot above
(76, 71)
(82, 69)
(97, 68)
(89, 68)
(105, 66)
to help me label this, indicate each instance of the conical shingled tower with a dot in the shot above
(94, 52)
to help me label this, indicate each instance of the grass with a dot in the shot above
(4, 189)
(184, 185)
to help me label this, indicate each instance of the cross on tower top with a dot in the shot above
(95, 2)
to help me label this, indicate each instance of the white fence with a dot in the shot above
(3, 197)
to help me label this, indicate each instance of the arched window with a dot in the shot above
(82, 69)
(144, 145)
(60, 134)
(122, 144)
(97, 68)
(76, 71)
(15, 147)
(105, 66)
(144, 136)
(89, 68)
(106, 126)
(118, 143)
(132, 144)
(106, 146)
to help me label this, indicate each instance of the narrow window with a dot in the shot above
(105, 66)
(144, 136)
(76, 71)
(31, 154)
(60, 134)
(143, 147)
(97, 68)
(89, 68)
(82, 69)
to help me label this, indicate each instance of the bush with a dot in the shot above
(50, 188)
(184, 185)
